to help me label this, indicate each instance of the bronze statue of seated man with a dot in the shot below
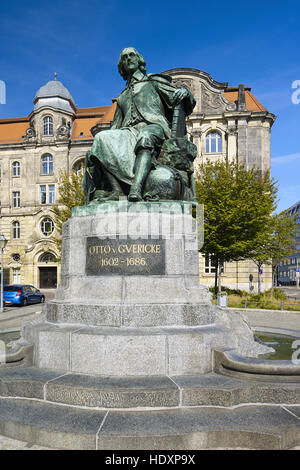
(125, 154)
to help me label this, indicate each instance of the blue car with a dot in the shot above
(20, 294)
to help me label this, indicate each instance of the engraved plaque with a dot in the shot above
(125, 257)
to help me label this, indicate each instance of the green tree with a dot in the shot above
(70, 195)
(275, 241)
(238, 204)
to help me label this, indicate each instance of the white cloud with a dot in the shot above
(276, 161)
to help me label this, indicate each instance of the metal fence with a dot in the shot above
(289, 304)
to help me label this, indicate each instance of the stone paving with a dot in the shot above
(273, 319)
(11, 444)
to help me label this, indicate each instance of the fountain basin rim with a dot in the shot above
(229, 362)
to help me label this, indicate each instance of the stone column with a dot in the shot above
(242, 141)
(231, 141)
(196, 134)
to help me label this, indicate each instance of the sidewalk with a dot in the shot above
(13, 318)
(272, 318)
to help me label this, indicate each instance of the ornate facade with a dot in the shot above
(33, 150)
(228, 122)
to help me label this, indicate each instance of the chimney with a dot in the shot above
(242, 98)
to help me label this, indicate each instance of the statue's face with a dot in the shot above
(130, 60)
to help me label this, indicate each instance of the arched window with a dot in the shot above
(16, 229)
(48, 125)
(213, 142)
(16, 168)
(47, 164)
(47, 258)
(78, 167)
(47, 226)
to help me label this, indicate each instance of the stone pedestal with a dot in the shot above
(129, 355)
(130, 302)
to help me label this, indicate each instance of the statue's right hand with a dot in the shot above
(180, 94)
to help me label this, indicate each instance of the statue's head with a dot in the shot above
(130, 61)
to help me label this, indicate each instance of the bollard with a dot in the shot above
(222, 299)
(281, 307)
(245, 303)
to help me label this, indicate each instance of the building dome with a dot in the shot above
(56, 95)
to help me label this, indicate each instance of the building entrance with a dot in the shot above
(48, 277)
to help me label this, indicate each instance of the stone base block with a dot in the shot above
(67, 427)
(112, 351)
(124, 261)
(137, 315)
(152, 392)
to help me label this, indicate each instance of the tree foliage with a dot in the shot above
(275, 241)
(238, 204)
(70, 195)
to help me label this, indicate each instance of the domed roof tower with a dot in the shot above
(55, 95)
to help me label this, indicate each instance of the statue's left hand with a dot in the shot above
(180, 94)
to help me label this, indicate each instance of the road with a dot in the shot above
(291, 291)
(14, 316)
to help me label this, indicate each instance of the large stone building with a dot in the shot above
(228, 122)
(289, 268)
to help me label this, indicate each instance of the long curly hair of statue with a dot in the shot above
(142, 63)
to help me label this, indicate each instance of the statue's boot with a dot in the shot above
(142, 169)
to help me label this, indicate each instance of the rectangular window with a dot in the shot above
(51, 193)
(16, 230)
(43, 194)
(47, 194)
(292, 274)
(210, 265)
(16, 169)
(16, 276)
(16, 199)
(48, 125)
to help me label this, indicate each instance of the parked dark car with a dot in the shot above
(20, 294)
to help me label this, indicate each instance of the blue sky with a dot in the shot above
(255, 43)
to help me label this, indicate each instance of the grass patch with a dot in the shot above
(273, 299)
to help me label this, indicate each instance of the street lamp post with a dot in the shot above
(3, 242)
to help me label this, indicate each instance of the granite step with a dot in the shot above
(143, 392)
(67, 427)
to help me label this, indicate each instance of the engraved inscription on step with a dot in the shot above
(125, 257)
